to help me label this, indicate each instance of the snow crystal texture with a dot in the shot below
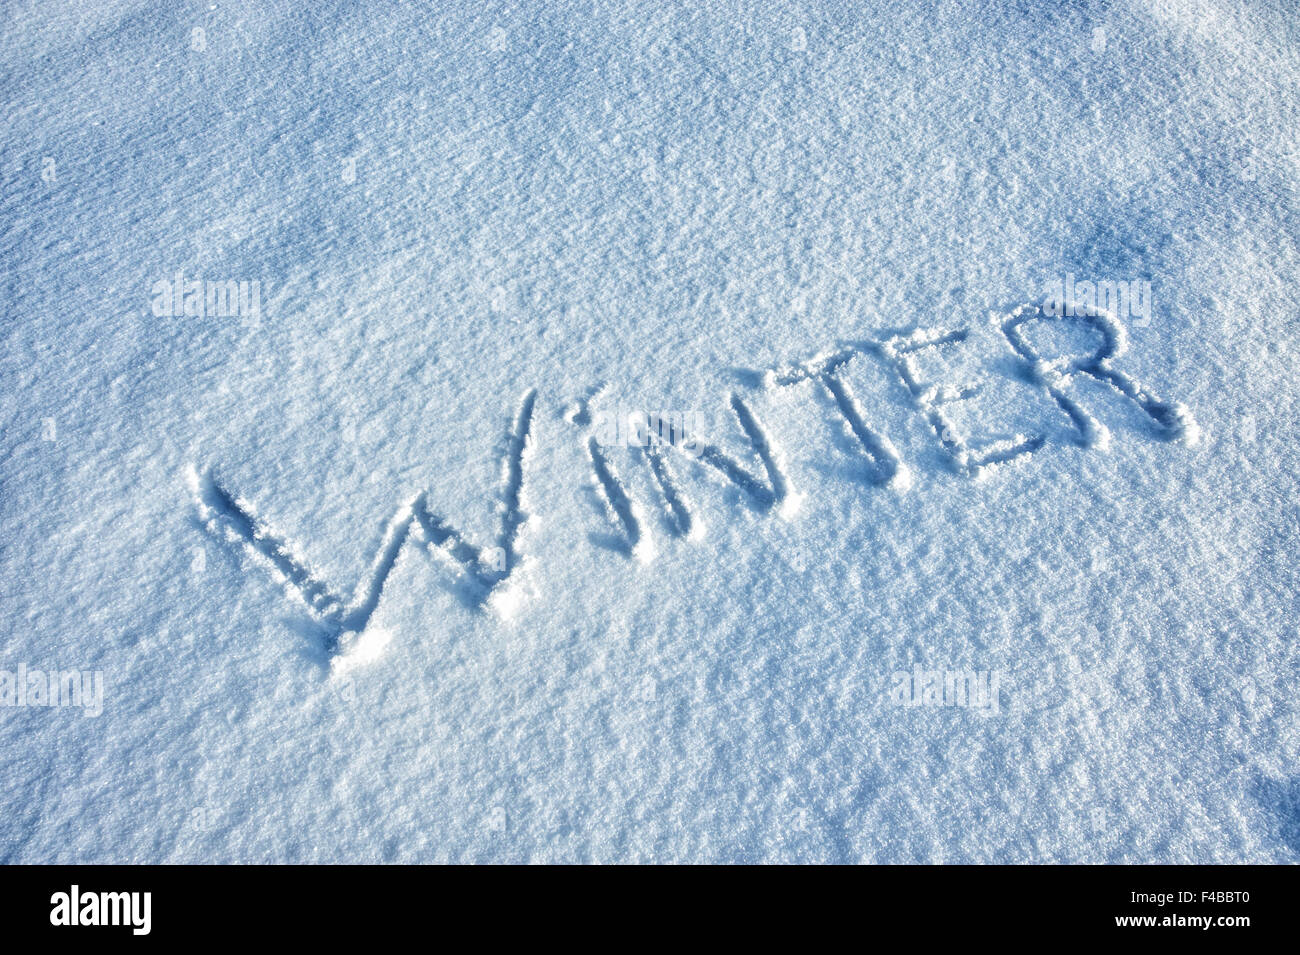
(374, 570)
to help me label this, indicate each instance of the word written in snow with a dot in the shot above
(885, 465)
(489, 574)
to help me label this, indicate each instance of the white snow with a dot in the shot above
(354, 579)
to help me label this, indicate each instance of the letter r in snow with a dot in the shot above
(1055, 374)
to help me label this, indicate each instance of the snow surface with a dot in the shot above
(274, 535)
